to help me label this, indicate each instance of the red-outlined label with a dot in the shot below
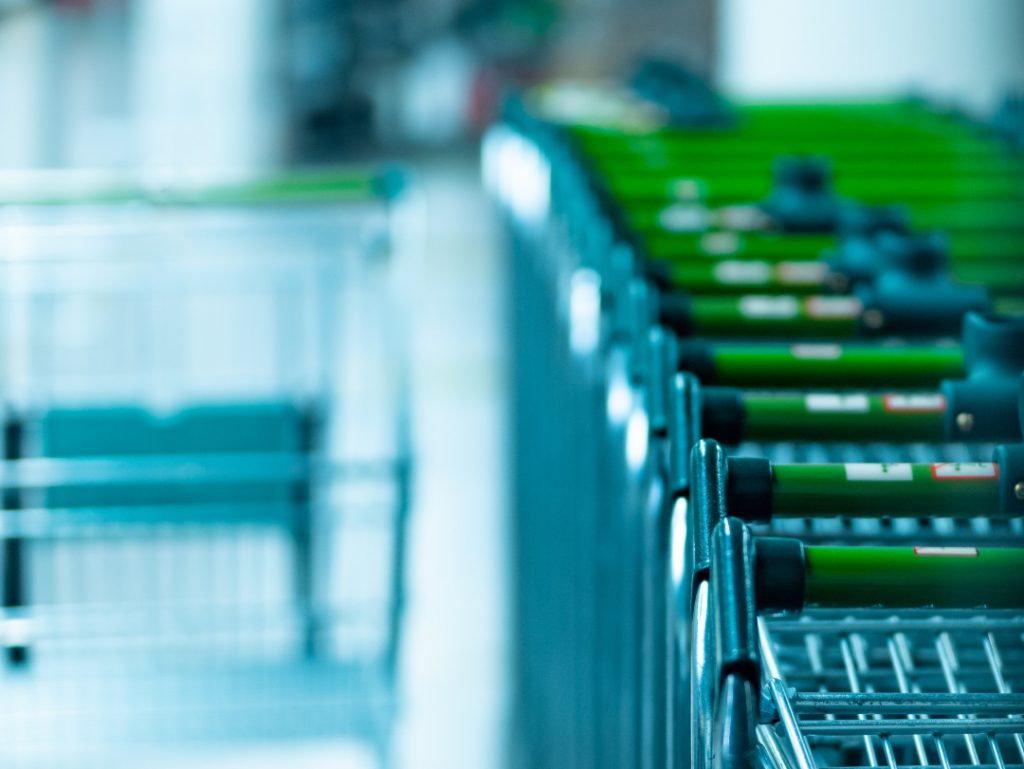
(924, 403)
(833, 307)
(964, 471)
(947, 552)
(801, 273)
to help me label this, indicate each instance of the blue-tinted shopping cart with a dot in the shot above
(206, 468)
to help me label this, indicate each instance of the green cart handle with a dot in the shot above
(983, 408)
(762, 490)
(791, 575)
(821, 365)
(731, 415)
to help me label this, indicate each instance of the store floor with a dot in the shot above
(453, 682)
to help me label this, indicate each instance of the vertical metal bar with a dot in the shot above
(15, 568)
(995, 661)
(854, 680)
(997, 754)
(895, 645)
(303, 498)
(950, 663)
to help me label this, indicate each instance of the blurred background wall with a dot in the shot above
(966, 50)
(258, 82)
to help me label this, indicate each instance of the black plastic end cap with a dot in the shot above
(749, 488)
(675, 310)
(697, 358)
(780, 574)
(723, 414)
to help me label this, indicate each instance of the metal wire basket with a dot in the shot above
(206, 469)
(871, 688)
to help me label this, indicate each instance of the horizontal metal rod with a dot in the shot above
(894, 727)
(975, 623)
(897, 703)
(51, 472)
(949, 766)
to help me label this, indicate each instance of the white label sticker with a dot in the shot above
(948, 552)
(833, 307)
(683, 217)
(870, 471)
(816, 351)
(837, 404)
(744, 218)
(720, 243)
(687, 189)
(942, 471)
(742, 272)
(801, 273)
(754, 306)
(924, 403)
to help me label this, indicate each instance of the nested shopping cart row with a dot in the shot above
(768, 479)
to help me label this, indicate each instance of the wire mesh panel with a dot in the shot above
(205, 479)
(914, 689)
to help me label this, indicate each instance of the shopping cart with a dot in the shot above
(206, 470)
(929, 678)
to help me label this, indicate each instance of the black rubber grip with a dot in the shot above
(780, 574)
(723, 414)
(749, 488)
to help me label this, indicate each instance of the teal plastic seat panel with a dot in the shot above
(135, 433)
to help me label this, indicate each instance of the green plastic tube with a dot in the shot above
(824, 365)
(836, 416)
(744, 276)
(631, 188)
(662, 166)
(753, 315)
(730, 277)
(915, 577)
(682, 145)
(868, 490)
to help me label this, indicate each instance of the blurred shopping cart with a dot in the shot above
(206, 467)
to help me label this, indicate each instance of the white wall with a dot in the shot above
(141, 83)
(970, 50)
